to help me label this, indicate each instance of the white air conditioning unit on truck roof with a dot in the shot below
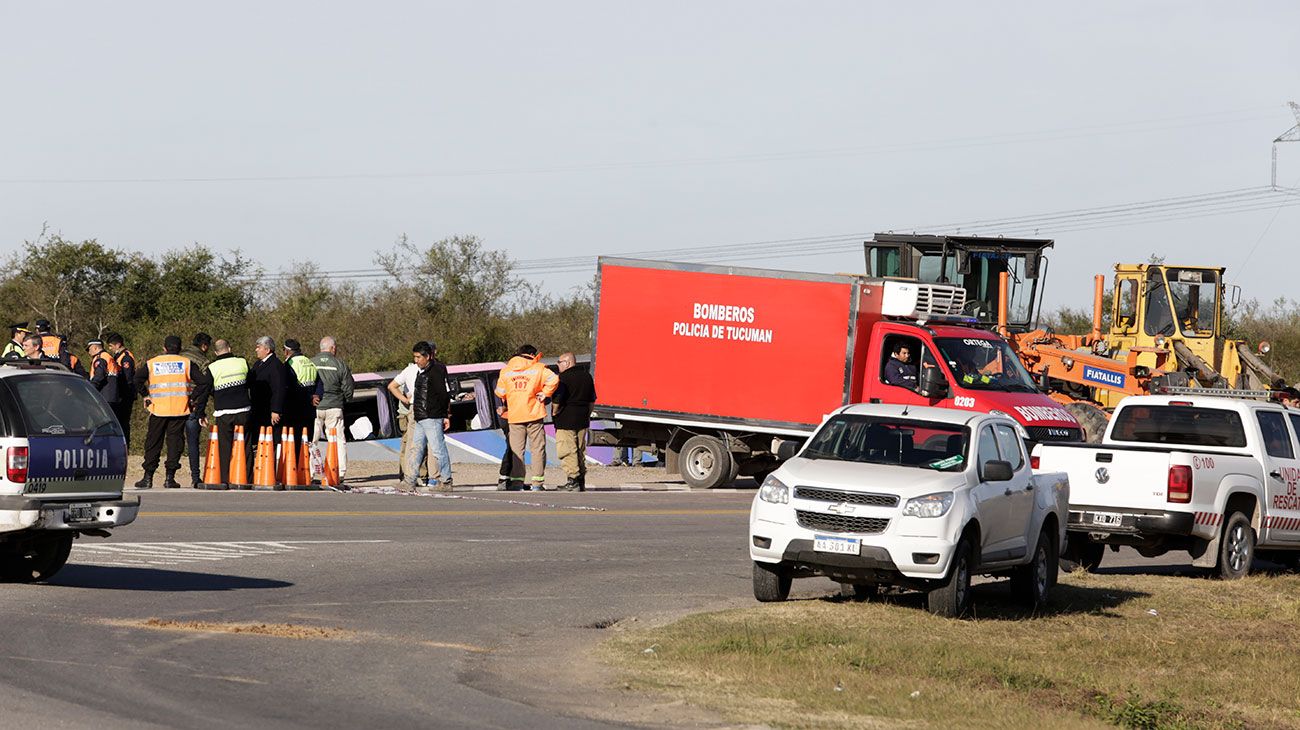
(914, 300)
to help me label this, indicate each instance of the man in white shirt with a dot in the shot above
(401, 387)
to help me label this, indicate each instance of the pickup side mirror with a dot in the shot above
(997, 471)
(932, 384)
(787, 449)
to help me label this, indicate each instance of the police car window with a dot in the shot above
(1277, 440)
(61, 404)
(1009, 445)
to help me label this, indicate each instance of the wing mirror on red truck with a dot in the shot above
(997, 471)
(933, 384)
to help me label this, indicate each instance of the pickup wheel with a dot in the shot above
(1236, 547)
(44, 558)
(952, 599)
(706, 463)
(859, 591)
(1030, 583)
(1082, 553)
(771, 583)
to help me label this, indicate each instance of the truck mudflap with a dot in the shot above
(1101, 520)
(19, 512)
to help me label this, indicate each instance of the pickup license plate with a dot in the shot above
(842, 545)
(1107, 519)
(80, 513)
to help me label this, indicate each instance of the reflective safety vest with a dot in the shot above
(169, 385)
(304, 369)
(110, 365)
(13, 349)
(52, 345)
(228, 372)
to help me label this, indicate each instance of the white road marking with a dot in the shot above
(180, 553)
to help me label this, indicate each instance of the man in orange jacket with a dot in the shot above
(525, 384)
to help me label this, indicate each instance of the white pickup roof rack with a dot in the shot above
(1215, 392)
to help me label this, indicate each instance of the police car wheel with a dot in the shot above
(39, 562)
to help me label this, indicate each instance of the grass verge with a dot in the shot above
(1134, 651)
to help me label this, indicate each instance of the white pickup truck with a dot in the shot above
(62, 468)
(1214, 476)
(921, 498)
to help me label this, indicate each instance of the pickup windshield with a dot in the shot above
(876, 440)
(1182, 425)
(981, 364)
(57, 405)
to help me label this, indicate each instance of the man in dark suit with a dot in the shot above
(267, 393)
(572, 417)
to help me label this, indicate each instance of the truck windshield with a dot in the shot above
(62, 404)
(1182, 425)
(874, 440)
(1195, 293)
(981, 364)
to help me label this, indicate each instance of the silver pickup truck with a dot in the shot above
(63, 461)
(1214, 476)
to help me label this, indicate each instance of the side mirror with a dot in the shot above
(933, 384)
(787, 449)
(997, 471)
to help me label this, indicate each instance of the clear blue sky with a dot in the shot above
(527, 123)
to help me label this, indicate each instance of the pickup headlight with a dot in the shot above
(774, 491)
(930, 505)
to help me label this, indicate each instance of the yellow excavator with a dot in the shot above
(1166, 321)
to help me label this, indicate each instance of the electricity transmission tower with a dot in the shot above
(1290, 135)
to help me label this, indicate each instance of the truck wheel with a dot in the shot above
(952, 599)
(859, 591)
(1236, 547)
(1030, 583)
(1081, 554)
(706, 463)
(1093, 419)
(771, 583)
(40, 562)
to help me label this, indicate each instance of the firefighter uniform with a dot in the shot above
(167, 384)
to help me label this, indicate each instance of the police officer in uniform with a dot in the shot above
(125, 383)
(14, 348)
(228, 381)
(103, 371)
(166, 382)
(53, 345)
(303, 386)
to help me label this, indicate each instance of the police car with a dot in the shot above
(64, 467)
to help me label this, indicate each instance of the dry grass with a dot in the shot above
(1137, 651)
(281, 631)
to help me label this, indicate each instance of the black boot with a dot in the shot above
(170, 482)
(582, 483)
(570, 486)
(503, 484)
(146, 482)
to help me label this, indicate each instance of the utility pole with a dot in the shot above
(1290, 135)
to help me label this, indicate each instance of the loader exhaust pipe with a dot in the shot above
(1098, 293)
(1003, 278)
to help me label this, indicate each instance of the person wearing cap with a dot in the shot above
(166, 382)
(303, 388)
(103, 371)
(125, 383)
(197, 353)
(526, 385)
(55, 346)
(14, 348)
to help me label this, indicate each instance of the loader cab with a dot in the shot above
(1155, 304)
(972, 262)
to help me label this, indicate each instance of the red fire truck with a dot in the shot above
(717, 366)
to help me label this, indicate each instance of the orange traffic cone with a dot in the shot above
(332, 458)
(238, 460)
(212, 465)
(304, 459)
(263, 464)
(289, 458)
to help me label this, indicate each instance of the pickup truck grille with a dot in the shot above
(840, 523)
(1052, 433)
(835, 495)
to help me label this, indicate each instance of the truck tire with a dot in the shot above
(771, 583)
(1236, 547)
(1093, 419)
(1081, 553)
(859, 591)
(706, 463)
(40, 562)
(1030, 583)
(952, 599)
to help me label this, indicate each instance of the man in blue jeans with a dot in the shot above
(430, 404)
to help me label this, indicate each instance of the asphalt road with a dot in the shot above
(470, 611)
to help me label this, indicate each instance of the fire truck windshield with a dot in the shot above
(985, 364)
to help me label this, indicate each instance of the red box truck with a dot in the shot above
(718, 365)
